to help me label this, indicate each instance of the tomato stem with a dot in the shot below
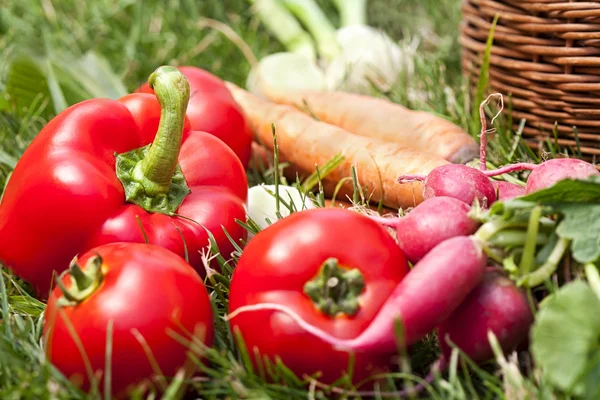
(335, 289)
(84, 282)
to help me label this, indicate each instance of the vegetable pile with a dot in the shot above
(384, 239)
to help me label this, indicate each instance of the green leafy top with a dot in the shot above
(574, 203)
(565, 338)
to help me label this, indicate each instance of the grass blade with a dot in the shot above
(483, 81)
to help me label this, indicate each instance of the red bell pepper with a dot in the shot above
(213, 109)
(120, 171)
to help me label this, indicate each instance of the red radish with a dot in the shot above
(431, 291)
(552, 171)
(456, 180)
(497, 304)
(506, 190)
(430, 223)
(549, 172)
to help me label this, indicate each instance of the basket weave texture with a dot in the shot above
(546, 56)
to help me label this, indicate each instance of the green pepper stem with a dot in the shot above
(155, 171)
(352, 12)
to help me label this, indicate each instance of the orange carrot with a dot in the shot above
(305, 142)
(381, 119)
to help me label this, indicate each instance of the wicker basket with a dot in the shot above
(546, 56)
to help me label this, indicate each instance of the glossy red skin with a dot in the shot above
(557, 169)
(430, 223)
(507, 190)
(282, 258)
(146, 288)
(213, 109)
(497, 304)
(461, 182)
(64, 197)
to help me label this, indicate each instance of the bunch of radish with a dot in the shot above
(424, 234)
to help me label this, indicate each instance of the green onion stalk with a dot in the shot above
(352, 12)
(282, 24)
(311, 15)
(295, 68)
(354, 57)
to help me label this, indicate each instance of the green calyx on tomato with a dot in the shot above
(335, 289)
(151, 175)
(84, 281)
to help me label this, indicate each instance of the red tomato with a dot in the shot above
(213, 109)
(148, 293)
(281, 259)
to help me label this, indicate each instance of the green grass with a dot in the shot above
(131, 39)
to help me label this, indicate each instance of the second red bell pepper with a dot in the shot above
(120, 171)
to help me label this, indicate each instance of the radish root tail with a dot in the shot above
(389, 222)
(293, 315)
(510, 168)
(484, 130)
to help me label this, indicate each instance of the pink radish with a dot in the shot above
(552, 171)
(431, 291)
(506, 190)
(456, 180)
(430, 223)
(549, 172)
(497, 304)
